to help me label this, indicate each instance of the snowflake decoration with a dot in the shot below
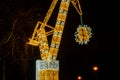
(83, 34)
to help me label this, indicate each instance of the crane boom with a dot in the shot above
(59, 26)
(34, 39)
(60, 23)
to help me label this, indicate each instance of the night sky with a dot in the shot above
(102, 49)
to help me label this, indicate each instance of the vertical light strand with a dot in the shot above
(60, 23)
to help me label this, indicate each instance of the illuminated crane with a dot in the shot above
(48, 67)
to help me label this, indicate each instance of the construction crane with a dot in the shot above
(48, 67)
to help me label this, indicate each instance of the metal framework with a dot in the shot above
(48, 67)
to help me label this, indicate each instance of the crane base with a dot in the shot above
(47, 70)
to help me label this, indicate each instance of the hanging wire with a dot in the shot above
(81, 20)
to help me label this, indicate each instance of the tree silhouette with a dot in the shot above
(16, 55)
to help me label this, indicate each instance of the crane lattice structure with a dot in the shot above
(48, 67)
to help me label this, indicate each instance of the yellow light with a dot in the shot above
(79, 77)
(95, 68)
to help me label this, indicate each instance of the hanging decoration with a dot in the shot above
(83, 34)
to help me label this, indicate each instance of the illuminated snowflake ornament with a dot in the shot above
(83, 34)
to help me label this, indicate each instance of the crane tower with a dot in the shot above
(47, 68)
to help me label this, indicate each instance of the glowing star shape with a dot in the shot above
(83, 34)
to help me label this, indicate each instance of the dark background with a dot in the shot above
(18, 19)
